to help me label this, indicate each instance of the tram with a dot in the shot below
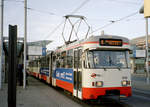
(90, 68)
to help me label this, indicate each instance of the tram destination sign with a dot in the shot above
(110, 42)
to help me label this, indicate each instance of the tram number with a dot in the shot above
(110, 42)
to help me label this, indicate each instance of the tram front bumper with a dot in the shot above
(94, 93)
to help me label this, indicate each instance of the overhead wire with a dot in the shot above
(41, 11)
(135, 19)
(54, 30)
(112, 22)
(80, 6)
(32, 9)
(127, 2)
(21, 1)
(108, 20)
(74, 11)
(132, 14)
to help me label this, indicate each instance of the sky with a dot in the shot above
(46, 15)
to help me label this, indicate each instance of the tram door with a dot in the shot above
(51, 66)
(77, 73)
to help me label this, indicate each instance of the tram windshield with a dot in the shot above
(107, 59)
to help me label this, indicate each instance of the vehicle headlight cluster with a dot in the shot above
(125, 83)
(99, 83)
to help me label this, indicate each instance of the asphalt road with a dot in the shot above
(39, 94)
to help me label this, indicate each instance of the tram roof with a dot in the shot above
(94, 38)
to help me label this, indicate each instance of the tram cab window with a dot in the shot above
(90, 60)
(107, 59)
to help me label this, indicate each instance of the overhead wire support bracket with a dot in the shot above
(76, 32)
(74, 16)
(63, 31)
(74, 26)
(88, 28)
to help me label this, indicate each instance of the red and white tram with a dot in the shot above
(93, 67)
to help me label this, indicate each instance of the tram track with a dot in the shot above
(103, 102)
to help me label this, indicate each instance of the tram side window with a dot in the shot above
(54, 61)
(58, 60)
(63, 59)
(75, 59)
(78, 59)
(47, 62)
(31, 64)
(69, 58)
(84, 60)
(42, 62)
(35, 64)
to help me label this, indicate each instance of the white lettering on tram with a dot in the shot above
(68, 74)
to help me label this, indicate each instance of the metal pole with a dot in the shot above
(25, 41)
(147, 55)
(1, 41)
(12, 66)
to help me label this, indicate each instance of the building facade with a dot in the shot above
(138, 54)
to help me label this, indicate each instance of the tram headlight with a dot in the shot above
(99, 83)
(125, 83)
